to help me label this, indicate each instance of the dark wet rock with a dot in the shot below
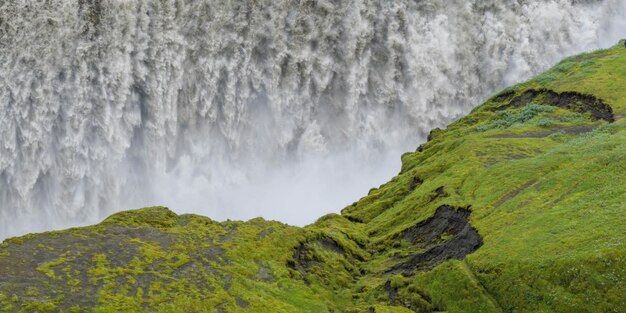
(313, 254)
(447, 235)
(304, 254)
(302, 258)
(264, 233)
(227, 282)
(265, 274)
(392, 291)
(228, 236)
(504, 96)
(241, 303)
(440, 192)
(434, 133)
(415, 182)
(329, 244)
(574, 101)
(353, 219)
(415, 300)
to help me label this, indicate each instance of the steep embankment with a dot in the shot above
(518, 207)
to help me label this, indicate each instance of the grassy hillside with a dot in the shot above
(518, 207)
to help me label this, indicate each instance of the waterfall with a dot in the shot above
(280, 108)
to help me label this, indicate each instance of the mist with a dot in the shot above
(281, 109)
(297, 193)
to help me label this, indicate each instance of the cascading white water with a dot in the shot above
(233, 109)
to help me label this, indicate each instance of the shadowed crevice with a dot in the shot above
(570, 100)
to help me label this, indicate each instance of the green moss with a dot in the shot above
(159, 217)
(32, 292)
(505, 119)
(39, 307)
(47, 268)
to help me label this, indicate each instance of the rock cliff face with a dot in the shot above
(517, 207)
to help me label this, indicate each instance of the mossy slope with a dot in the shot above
(518, 207)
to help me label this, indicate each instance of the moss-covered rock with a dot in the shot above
(157, 217)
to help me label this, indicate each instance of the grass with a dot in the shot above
(546, 189)
(506, 119)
